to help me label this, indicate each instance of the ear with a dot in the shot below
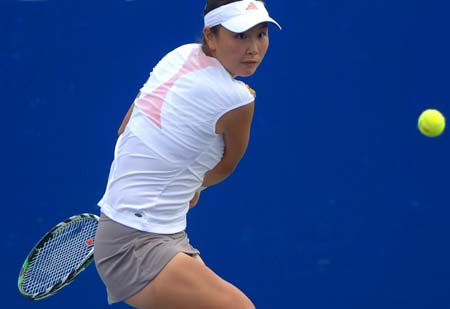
(210, 39)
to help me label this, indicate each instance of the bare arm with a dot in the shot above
(126, 118)
(235, 126)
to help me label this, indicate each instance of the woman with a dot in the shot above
(187, 130)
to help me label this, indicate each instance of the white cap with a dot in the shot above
(239, 16)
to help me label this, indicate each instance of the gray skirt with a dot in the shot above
(128, 259)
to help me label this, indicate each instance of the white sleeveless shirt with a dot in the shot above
(170, 141)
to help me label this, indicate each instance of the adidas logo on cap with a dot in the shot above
(251, 6)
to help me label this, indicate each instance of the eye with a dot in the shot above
(263, 34)
(241, 36)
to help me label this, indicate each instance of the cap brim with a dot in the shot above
(242, 23)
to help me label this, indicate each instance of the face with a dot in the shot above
(239, 53)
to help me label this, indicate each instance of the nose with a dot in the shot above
(252, 48)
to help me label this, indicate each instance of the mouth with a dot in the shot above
(250, 63)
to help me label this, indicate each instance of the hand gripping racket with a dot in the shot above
(59, 257)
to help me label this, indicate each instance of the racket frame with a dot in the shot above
(69, 277)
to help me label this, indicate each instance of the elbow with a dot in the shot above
(227, 169)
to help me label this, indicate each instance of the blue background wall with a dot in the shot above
(339, 201)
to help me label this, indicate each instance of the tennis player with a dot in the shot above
(187, 130)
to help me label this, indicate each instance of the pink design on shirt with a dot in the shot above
(151, 104)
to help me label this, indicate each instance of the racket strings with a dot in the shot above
(62, 254)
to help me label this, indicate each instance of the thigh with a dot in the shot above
(186, 282)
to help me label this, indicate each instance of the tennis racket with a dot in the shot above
(59, 257)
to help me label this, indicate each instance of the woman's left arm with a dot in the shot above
(125, 120)
(127, 117)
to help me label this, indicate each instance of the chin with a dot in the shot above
(247, 73)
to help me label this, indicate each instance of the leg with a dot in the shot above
(187, 283)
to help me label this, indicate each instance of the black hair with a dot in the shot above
(212, 5)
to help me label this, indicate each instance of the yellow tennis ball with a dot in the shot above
(431, 123)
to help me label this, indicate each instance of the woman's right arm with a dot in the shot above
(235, 127)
